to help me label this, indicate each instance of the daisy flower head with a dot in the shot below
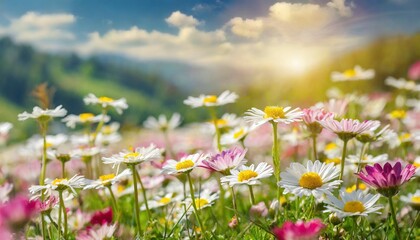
(273, 114)
(59, 184)
(162, 123)
(312, 116)
(300, 230)
(106, 102)
(225, 161)
(336, 106)
(388, 177)
(211, 100)
(402, 84)
(354, 74)
(412, 199)
(160, 201)
(84, 118)
(204, 199)
(355, 203)
(347, 129)
(108, 180)
(315, 179)
(43, 115)
(372, 134)
(103, 231)
(139, 155)
(249, 175)
(5, 128)
(367, 159)
(185, 165)
(398, 114)
(235, 135)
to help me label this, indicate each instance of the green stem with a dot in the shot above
(214, 118)
(251, 192)
(98, 128)
(144, 195)
(136, 202)
(394, 218)
(194, 205)
(43, 127)
(63, 208)
(314, 146)
(359, 165)
(60, 211)
(169, 150)
(114, 203)
(63, 168)
(276, 163)
(235, 207)
(343, 159)
(414, 223)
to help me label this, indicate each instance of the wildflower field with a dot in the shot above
(344, 168)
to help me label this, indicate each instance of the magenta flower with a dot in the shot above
(347, 129)
(102, 217)
(414, 71)
(387, 179)
(16, 213)
(48, 204)
(299, 230)
(225, 161)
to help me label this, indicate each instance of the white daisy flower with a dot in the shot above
(5, 189)
(235, 135)
(106, 102)
(59, 184)
(273, 113)
(86, 153)
(204, 199)
(413, 199)
(162, 123)
(402, 84)
(108, 180)
(84, 118)
(228, 120)
(43, 114)
(160, 201)
(5, 128)
(141, 154)
(103, 232)
(211, 100)
(356, 203)
(110, 128)
(355, 74)
(367, 159)
(315, 179)
(248, 175)
(184, 165)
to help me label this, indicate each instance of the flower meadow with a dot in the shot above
(345, 168)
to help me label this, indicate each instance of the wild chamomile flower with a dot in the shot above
(139, 155)
(160, 201)
(59, 184)
(204, 199)
(354, 74)
(162, 123)
(336, 106)
(43, 114)
(106, 102)
(84, 118)
(248, 175)
(413, 199)
(355, 203)
(273, 114)
(402, 84)
(4, 131)
(211, 100)
(108, 180)
(235, 135)
(315, 179)
(397, 114)
(184, 165)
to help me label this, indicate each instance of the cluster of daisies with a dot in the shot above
(341, 169)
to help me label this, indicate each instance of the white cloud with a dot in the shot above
(248, 28)
(181, 20)
(340, 5)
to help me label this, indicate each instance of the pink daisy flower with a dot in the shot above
(225, 161)
(299, 230)
(312, 116)
(387, 178)
(347, 129)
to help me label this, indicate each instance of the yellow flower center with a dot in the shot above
(201, 202)
(58, 181)
(350, 73)
(86, 116)
(107, 130)
(362, 187)
(416, 164)
(310, 180)
(330, 146)
(398, 114)
(184, 165)
(48, 145)
(164, 200)
(354, 206)
(405, 137)
(107, 177)
(120, 188)
(246, 175)
(336, 160)
(221, 122)
(210, 99)
(274, 112)
(415, 199)
(105, 99)
(131, 155)
(239, 133)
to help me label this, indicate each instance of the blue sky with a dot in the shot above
(263, 34)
